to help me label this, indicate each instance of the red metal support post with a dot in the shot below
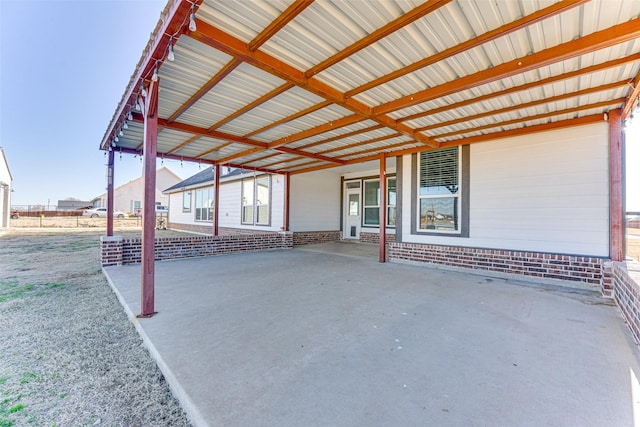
(383, 207)
(287, 182)
(616, 214)
(216, 199)
(149, 201)
(110, 193)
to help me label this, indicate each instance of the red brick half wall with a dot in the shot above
(569, 270)
(119, 251)
(626, 293)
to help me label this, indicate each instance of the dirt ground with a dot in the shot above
(73, 222)
(633, 243)
(70, 356)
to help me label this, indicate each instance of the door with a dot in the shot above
(352, 211)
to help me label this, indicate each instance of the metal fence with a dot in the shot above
(77, 221)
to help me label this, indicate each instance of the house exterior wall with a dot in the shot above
(5, 192)
(544, 192)
(315, 202)
(125, 195)
(230, 209)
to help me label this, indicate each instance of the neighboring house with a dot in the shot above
(73, 204)
(128, 197)
(5, 191)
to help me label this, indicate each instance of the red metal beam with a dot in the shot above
(616, 215)
(218, 39)
(174, 17)
(277, 24)
(216, 199)
(287, 195)
(217, 78)
(502, 31)
(149, 201)
(519, 120)
(526, 86)
(383, 209)
(110, 167)
(382, 32)
(617, 34)
(632, 98)
(525, 105)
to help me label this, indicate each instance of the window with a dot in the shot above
(439, 190)
(372, 202)
(186, 201)
(204, 204)
(256, 196)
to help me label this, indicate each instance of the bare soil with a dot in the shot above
(70, 356)
(73, 222)
(633, 243)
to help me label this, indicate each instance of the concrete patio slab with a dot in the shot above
(307, 337)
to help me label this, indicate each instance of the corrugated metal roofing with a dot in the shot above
(292, 86)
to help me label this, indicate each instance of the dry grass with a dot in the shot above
(633, 243)
(73, 222)
(70, 356)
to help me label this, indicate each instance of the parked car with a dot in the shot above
(101, 213)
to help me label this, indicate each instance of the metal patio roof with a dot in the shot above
(295, 86)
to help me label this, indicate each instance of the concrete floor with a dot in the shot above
(307, 337)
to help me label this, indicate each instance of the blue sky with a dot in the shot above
(64, 66)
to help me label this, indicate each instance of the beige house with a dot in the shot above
(128, 197)
(5, 191)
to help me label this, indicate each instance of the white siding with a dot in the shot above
(230, 206)
(544, 192)
(315, 201)
(175, 209)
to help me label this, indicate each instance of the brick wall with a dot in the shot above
(375, 237)
(111, 250)
(585, 272)
(626, 293)
(310, 237)
(129, 251)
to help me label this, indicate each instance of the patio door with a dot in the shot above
(352, 210)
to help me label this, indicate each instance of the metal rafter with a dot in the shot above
(272, 94)
(526, 86)
(217, 78)
(390, 28)
(292, 117)
(471, 140)
(230, 45)
(362, 143)
(632, 98)
(277, 24)
(341, 136)
(525, 105)
(529, 118)
(611, 36)
(501, 31)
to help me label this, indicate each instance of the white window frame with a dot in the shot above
(185, 208)
(253, 201)
(207, 209)
(377, 205)
(457, 196)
